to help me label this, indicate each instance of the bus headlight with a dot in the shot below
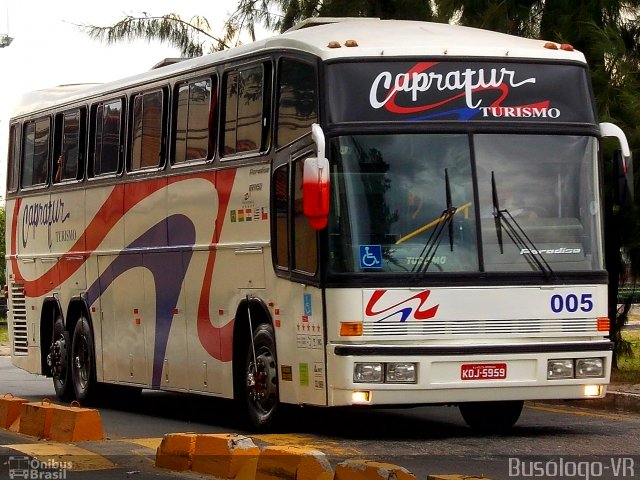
(367, 373)
(589, 367)
(562, 368)
(400, 372)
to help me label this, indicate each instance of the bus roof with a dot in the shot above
(370, 38)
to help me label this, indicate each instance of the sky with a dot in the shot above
(49, 49)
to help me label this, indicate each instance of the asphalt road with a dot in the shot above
(549, 441)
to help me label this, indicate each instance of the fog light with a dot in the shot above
(367, 373)
(400, 373)
(592, 390)
(559, 369)
(589, 367)
(360, 397)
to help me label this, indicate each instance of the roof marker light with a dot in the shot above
(334, 44)
(350, 43)
(567, 47)
(551, 46)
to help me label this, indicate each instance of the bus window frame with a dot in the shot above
(129, 130)
(268, 82)
(25, 124)
(214, 118)
(14, 161)
(58, 144)
(91, 147)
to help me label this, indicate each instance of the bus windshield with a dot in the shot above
(408, 203)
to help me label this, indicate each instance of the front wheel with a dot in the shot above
(58, 361)
(491, 417)
(260, 379)
(83, 362)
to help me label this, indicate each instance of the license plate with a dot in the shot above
(483, 371)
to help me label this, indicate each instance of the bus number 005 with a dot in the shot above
(571, 303)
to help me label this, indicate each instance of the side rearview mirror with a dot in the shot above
(624, 183)
(315, 183)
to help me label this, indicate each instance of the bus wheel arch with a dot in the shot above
(255, 376)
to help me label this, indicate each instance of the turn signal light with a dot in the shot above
(350, 329)
(603, 324)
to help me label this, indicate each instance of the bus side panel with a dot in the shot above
(192, 209)
(104, 236)
(35, 274)
(300, 338)
(194, 200)
(239, 262)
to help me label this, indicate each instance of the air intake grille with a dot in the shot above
(19, 315)
(485, 328)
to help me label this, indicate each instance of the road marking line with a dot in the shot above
(76, 459)
(322, 444)
(152, 443)
(580, 413)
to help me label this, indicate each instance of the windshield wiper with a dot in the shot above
(517, 235)
(444, 221)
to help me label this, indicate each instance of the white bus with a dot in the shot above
(355, 213)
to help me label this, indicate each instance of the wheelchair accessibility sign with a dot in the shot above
(370, 256)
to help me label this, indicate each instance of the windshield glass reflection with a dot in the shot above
(406, 203)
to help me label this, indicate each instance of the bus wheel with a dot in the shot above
(261, 378)
(58, 361)
(83, 361)
(491, 417)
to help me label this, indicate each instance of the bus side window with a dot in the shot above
(305, 239)
(297, 100)
(195, 128)
(281, 231)
(14, 158)
(106, 141)
(35, 153)
(246, 110)
(147, 132)
(68, 151)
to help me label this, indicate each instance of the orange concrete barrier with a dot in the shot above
(292, 462)
(175, 451)
(10, 408)
(370, 470)
(225, 456)
(35, 418)
(75, 424)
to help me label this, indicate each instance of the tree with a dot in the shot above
(193, 37)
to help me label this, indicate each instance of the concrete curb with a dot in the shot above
(51, 421)
(236, 457)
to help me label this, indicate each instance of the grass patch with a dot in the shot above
(4, 333)
(629, 367)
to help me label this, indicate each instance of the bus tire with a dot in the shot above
(491, 417)
(259, 399)
(59, 361)
(83, 362)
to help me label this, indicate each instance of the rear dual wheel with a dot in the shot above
(59, 361)
(83, 362)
